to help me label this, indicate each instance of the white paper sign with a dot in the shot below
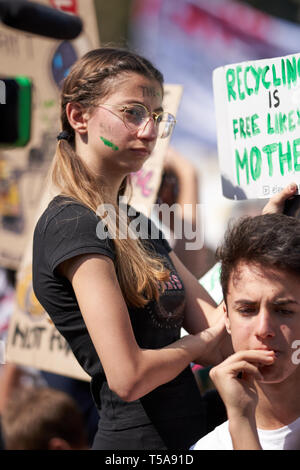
(211, 282)
(258, 126)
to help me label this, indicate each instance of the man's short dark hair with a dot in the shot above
(271, 240)
(33, 416)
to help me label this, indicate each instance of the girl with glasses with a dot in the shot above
(120, 301)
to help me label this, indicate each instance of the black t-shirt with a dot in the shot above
(67, 229)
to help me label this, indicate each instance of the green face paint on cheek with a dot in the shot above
(108, 143)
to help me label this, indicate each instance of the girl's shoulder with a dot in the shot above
(67, 213)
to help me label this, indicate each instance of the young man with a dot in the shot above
(260, 382)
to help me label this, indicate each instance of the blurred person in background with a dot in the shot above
(180, 186)
(16, 377)
(43, 419)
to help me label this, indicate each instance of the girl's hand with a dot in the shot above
(276, 203)
(212, 338)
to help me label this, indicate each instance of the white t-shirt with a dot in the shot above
(285, 438)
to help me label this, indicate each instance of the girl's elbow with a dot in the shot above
(126, 389)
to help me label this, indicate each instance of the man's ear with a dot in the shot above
(57, 443)
(227, 321)
(78, 117)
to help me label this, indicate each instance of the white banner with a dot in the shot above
(258, 122)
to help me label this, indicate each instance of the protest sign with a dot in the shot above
(147, 180)
(258, 121)
(32, 339)
(45, 62)
(211, 283)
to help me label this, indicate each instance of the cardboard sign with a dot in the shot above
(211, 283)
(258, 122)
(147, 180)
(22, 170)
(33, 340)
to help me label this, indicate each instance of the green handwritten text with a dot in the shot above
(245, 126)
(244, 80)
(250, 164)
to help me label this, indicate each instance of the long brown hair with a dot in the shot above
(140, 274)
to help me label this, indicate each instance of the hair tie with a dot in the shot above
(64, 135)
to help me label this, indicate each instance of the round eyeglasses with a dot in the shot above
(137, 115)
